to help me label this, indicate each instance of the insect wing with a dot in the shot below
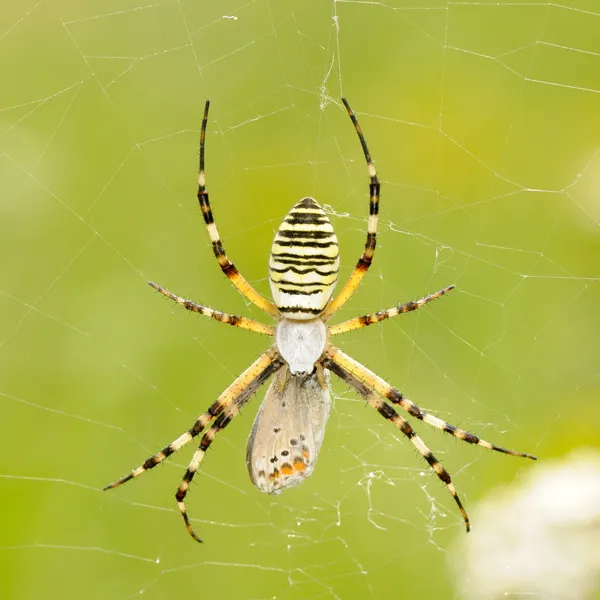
(288, 431)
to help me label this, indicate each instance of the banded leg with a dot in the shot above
(234, 320)
(207, 439)
(364, 262)
(383, 388)
(387, 412)
(226, 265)
(268, 360)
(377, 317)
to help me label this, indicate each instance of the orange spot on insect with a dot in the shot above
(299, 465)
(305, 454)
(286, 469)
(274, 475)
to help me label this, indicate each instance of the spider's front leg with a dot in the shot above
(369, 384)
(244, 382)
(396, 397)
(226, 416)
(387, 412)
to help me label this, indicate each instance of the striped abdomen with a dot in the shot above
(305, 260)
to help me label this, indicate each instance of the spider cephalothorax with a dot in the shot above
(289, 428)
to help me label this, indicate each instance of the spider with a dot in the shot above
(288, 431)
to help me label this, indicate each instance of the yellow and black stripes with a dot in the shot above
(364, 262)
(220, 423)
(224, 418)
(387, 412)
(396, 397)
(234, 320)
(245, 385)
(288, 431)
(304, 262)
(226, 265)
(377, 317)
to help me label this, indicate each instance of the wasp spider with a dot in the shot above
(289, 428)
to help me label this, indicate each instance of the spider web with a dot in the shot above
(483, 119)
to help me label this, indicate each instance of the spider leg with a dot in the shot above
(359, 322)
(234, 320)
(396, 397)
(387, 412)
(266, 363)
(207, 439)
(226, 265)
(364, 262)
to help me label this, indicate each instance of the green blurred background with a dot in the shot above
(484, 121)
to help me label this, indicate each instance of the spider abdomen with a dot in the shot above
(304, 263)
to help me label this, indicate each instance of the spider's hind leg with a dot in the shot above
(364, 262)
(226, 265)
